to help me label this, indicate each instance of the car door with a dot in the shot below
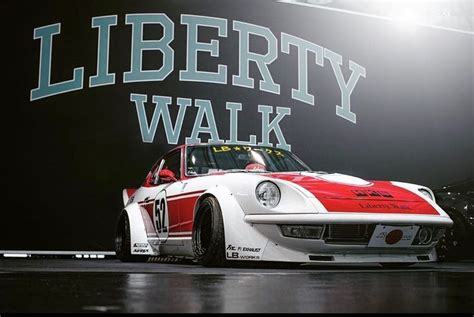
(166, 217)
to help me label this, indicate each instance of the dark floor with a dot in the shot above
(68, 285)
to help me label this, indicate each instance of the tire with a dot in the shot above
(394, 266)
(208, 234)
(122, 242)
(449, 245)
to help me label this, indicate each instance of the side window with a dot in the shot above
(173, 163)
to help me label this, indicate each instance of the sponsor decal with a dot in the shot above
(244, 249)
(225, 148)
(389, 206)
(392, 236)
(140, 248)
(241, 253)
(237, 255)
(249, 257)
(372, 193)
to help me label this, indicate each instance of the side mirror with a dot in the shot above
(167, 176)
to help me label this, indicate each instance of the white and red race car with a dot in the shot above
(220, 203)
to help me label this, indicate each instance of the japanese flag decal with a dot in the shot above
(160, 216)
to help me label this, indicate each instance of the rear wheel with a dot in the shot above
(208, 234)
(122, 242)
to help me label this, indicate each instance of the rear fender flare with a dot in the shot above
(138, 236)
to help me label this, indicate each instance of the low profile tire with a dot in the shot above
(208, 234)
(122, 242)
(394, 266)
(448, 246)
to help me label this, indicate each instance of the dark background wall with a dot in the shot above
(66, 158)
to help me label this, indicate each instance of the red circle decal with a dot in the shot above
(394, 236)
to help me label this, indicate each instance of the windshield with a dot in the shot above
(208, 159)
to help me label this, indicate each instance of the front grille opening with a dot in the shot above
(321, 258)
(348, 233)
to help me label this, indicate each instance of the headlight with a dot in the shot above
(426, 193)
(268, 194)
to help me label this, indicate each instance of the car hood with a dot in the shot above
(343, 193)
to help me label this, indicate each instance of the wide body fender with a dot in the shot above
(139, 244)
(242, 240)
(414, 188)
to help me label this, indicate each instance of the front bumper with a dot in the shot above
(282, 248)
(347, 218)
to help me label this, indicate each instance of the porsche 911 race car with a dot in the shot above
(223, 203)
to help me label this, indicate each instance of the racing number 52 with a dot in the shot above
(160, 215)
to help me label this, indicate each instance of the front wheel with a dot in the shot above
(122, 241)
(208, 234)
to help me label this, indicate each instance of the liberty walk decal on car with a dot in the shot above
(160, 216)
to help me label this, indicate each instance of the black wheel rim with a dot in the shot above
(204, 230)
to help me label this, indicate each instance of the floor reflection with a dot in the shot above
(111, 286)
(287, 292)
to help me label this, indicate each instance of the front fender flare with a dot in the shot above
(242, 240)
